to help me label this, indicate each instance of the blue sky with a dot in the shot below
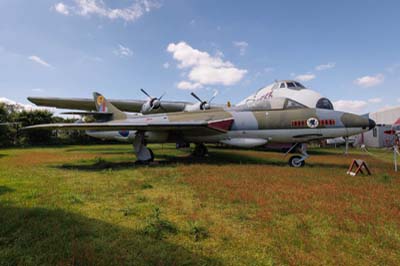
(347, 50)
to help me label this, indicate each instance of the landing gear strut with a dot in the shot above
(200, 150)
(143, 154)
(296, 160)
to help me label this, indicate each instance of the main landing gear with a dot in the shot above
(200, 150)
(143, 154)
(297, 160)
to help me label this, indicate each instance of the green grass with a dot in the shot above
(90, 205)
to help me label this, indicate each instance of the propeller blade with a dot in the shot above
(162, 95)
(148, 95)
(196, 97)
(214, 95)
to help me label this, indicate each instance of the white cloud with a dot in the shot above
(38, 90)
(39, 60)
(62, 9)
(97, 7)
(325, 66)
(370, 81)
(204, 69)
(352, 106)
(375, 100)
(166, 65)
(219, 54)
(186, 85)
(242, 45)
(21, 106)
(305, 77)
(123, 51)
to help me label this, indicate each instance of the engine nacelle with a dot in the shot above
(150, 105)
(193, 107)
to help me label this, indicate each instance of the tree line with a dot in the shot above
(14, 117)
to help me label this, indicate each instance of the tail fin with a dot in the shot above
(103, 106)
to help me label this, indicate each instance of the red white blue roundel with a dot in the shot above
(102, 104)
(124, 133)
(312, 122)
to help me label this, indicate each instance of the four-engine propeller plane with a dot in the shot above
(280, 120)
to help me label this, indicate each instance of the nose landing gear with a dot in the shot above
(296, 160)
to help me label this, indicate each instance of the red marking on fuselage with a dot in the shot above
(268, 95)
(223, 125)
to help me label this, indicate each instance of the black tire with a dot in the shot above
(294, 161)
(200, 150)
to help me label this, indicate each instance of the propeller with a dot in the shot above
(205, 105)
(153, 103)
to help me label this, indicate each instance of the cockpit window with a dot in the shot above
(290, 85)
(324, 103)
(282, 85)
(290, 104)
(299, 85)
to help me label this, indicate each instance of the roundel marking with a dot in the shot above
(124, 133)
(100, 100)
(102, 103)
(312, 122)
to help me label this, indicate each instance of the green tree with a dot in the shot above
(34, 117)
(7, 132)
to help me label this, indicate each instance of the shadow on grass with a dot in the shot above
(164, 160)
(4, 190)
(102, 150)
(37, 236)
(3, 155)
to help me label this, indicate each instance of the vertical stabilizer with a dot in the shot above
(103, 106)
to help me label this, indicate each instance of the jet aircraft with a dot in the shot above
(282, 120)
(259, 100)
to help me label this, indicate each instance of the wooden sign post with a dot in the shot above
(395, 153)
(359, 166)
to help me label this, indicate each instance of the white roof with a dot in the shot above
(386, 116)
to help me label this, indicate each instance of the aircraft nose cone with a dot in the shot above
(371, 123)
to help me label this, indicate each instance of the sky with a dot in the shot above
(346, 50)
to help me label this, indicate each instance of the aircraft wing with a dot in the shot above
(88, 104)
(215, 125)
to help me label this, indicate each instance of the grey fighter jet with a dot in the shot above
(281, 120)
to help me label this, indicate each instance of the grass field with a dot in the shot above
(90, 205)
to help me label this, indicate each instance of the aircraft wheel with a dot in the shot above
(200, 150)
(295, 161)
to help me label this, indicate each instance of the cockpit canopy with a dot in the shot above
(278, 103)
(290, 84)
(324, 103)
